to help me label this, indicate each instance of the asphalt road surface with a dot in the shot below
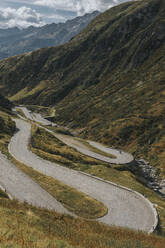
(21, 187)
(121, 156)
(125, 208)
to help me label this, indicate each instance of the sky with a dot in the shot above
(25, 13)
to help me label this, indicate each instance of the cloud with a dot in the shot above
(79, 6)
(12, 12)
(21, 17)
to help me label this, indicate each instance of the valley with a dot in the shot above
(19, 150)
(82, 133)
(72, 178)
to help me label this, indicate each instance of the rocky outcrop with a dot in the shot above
(153, 179)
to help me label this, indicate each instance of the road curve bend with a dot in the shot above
(21, 187)
(125, 208)
(121, 156)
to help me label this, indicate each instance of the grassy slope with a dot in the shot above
(7, 126)
(108, 81)
(48, 147)
(77, 202)
(24, 226)
(48, 144)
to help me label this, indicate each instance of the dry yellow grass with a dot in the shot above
(75, 201)
(22, 225)
(49, 147)
(117, 174)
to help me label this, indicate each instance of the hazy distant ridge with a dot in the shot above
(14, 41)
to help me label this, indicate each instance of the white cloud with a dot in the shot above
(21, 17)
(12, 12)
(58, 4)
(79, 6)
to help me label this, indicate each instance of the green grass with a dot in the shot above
(7, 126)
(26, 92)
(7, 129)
(3, 194)
(45, 111)
(51, 148)
(20, 111)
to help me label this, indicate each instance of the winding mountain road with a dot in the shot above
(125, 208)
(34, 116)
(21, 187)
(121, 156)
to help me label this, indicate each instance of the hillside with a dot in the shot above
(27, 226)
(14, 41)
(5, 103)
(107, 83)
(7, 126)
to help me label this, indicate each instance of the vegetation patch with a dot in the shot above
(7, 129)
(48, 146)
(22, 225)
(75, 201)
(45, 111)
(120, 174)
(41, 228)
(106, 75)
(3, 194)
(20, 111)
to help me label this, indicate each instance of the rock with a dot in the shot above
(150, 174)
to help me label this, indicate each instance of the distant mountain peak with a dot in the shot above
(14, 41)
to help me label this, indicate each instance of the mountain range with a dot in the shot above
(107, 83)
(14, 41)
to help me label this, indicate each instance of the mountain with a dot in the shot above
(5, 103)
(7, 126)
(14, 41)
(108, 83)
